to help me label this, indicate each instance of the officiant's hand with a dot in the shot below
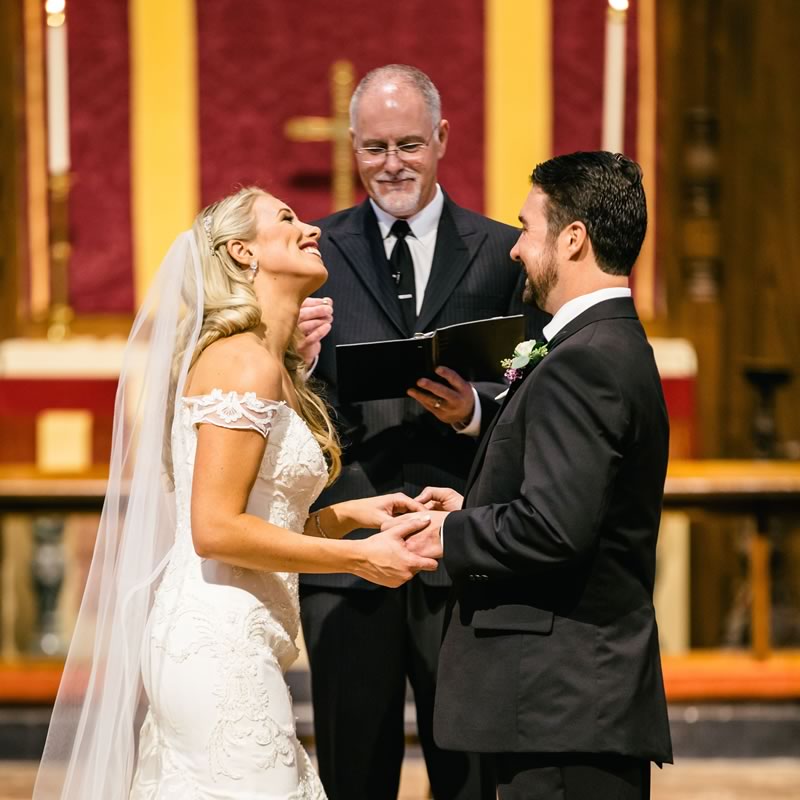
(451, 403)
(420, 531)
(315, 322)
(440, 498)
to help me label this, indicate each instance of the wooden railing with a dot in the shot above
(762, 489)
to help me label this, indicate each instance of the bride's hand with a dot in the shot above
(440, 498)
(387, 558)
(373, 512)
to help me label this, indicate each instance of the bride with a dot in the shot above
(190, 614)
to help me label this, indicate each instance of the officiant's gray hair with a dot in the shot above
(410, 76)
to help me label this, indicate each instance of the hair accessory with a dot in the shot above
(207, 226)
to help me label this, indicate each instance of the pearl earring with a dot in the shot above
(253, 269)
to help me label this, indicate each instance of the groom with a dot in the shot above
(550, 662)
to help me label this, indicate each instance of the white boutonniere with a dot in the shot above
(526, 355)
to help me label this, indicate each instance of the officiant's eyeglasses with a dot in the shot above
(407, 152)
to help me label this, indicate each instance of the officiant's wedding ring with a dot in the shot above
(437, 404)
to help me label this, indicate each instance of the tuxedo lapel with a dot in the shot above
(457, 243)
(477, 462)
(360, 243)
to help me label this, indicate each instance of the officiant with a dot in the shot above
(407, 259)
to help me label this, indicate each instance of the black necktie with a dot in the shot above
(403, 272)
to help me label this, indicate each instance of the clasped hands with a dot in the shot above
(410, 538)
(421, 530)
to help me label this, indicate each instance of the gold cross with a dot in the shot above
(335, 129)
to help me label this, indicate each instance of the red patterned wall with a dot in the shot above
(101, 272)
(263, 62)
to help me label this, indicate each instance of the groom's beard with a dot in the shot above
(537, 289)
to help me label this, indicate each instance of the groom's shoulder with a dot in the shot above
(603, 351)
(593, 340)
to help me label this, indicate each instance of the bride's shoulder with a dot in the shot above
(239, 364)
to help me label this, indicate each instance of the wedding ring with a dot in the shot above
(437, 404)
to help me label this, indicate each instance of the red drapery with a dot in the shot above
(100, 271)
(577, 62)
(263, 63)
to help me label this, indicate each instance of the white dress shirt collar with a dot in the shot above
(423, 223)
(576, 307)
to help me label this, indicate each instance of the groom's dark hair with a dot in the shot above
(603, 191)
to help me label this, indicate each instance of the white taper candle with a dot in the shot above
(614, 77)
(57, 89)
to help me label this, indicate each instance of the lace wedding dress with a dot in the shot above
(220, 638)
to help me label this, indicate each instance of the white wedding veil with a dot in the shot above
(90, 749)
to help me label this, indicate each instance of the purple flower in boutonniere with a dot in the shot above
(526, 356)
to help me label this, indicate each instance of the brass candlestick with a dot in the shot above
(766, 377)
(60, 315)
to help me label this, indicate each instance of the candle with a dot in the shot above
(57, 88)
(614, 77)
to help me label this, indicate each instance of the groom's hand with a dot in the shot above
(440, 498)
(422, 533)
(452, 403)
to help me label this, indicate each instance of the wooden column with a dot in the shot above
(689, 256)
(758, 93)
(760, 588)
(11, 156)
(728, 245)
(759, 85)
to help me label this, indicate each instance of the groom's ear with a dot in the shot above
(575, 240)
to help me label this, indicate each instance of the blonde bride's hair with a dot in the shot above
(230, 306)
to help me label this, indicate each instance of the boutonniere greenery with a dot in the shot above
(526, 356)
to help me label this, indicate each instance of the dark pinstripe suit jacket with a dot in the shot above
(394, 445)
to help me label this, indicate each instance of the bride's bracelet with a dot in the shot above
(319, 525)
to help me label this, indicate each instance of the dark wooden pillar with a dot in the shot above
(759, 67)
(11, 161)
(729, 244)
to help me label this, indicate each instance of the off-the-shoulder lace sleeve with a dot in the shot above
(233, 410)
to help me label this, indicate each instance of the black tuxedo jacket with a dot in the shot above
(550, 641)
(395, 445)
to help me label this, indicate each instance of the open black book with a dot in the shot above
(382, 370)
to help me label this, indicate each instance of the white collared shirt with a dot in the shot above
(424, 227)
(576, 307)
